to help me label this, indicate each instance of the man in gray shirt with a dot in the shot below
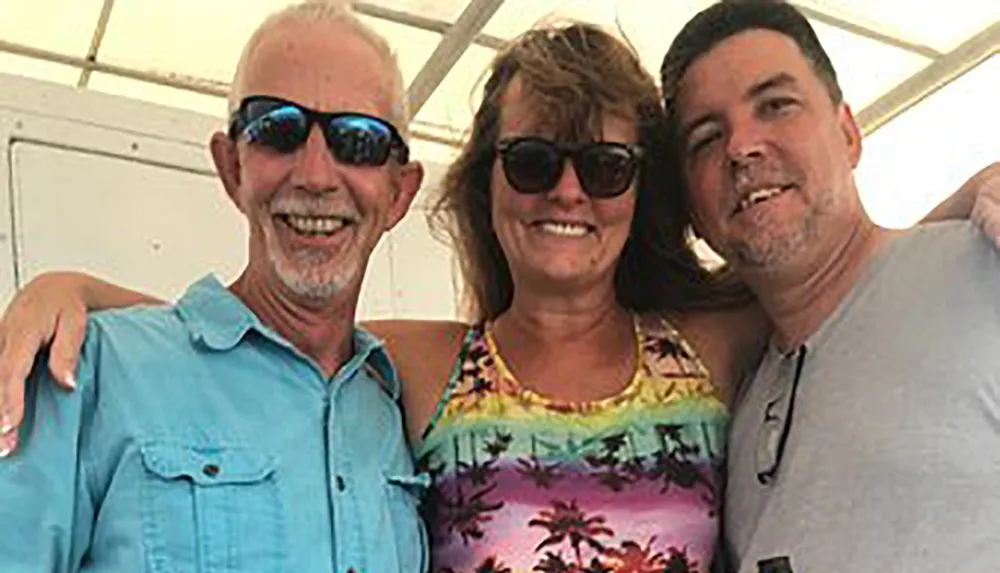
(868, 440)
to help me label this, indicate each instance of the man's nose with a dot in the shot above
(746, 142)
(316, 169)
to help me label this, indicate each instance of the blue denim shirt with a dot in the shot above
(199, 440)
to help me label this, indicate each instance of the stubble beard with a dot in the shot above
(768, 250)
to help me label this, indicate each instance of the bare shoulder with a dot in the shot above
(728, 342)
(418, 339)
(424, 352)
(406, 328)
(420, 348)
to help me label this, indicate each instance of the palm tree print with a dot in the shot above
(566, 522)
(494, 445)
(597, 567)
(611, 472)
(544, 476)
(635, 465)
(500, 444)
(476, 361)
(679, 562)
(614, 442)
(477, 473)
(673, 462)
(492, 565)
(552, 563)
(570, 449)
(664, 348)
(633, 558)
(467, 516)
(612, 479)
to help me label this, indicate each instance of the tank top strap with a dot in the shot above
(665, 352)
(469, 355)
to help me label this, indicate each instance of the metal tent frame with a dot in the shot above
(467, 29)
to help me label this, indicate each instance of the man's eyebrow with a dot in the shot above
(779, 80)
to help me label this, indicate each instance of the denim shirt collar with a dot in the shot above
(218, 319)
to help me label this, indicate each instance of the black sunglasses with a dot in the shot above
(776, 425)
(604, 168)
(282, 125)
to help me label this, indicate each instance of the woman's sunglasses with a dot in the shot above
(282, 125)
(535, 165)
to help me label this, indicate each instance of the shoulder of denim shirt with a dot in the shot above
(220, 320)
(150, 323)
(210, 314)
(135, 326)
(207, 311)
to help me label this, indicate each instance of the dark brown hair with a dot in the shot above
(731, 17)
(574, 75)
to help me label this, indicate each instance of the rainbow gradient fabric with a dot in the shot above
(630, 483)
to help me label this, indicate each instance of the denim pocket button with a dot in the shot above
(211, 508)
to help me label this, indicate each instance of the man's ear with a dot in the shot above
(851, 131)
(409, 179)
(227, 164)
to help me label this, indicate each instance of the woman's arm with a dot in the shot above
(50, 310)
(977, 199)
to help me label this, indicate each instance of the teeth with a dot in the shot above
(757, 196)
(315, 225)
(564, 229)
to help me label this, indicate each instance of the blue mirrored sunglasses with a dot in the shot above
(282, 125)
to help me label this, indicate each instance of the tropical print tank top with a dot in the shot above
(630, 483)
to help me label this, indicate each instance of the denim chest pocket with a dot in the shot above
(210, 509)
(403, 495)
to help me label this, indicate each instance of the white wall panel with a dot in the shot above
(8, 281)
(376, 293)
(152, 227)
(422, 271)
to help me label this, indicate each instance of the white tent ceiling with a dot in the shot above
(923, 75)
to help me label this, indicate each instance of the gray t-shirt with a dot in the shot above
(892, 459)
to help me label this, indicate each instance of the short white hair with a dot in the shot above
(327, 11)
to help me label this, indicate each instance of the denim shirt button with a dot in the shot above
(211, 470)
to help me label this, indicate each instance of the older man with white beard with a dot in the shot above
(254, 427)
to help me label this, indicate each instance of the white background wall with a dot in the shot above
(126, 190)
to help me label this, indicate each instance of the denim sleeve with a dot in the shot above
(46, 503)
